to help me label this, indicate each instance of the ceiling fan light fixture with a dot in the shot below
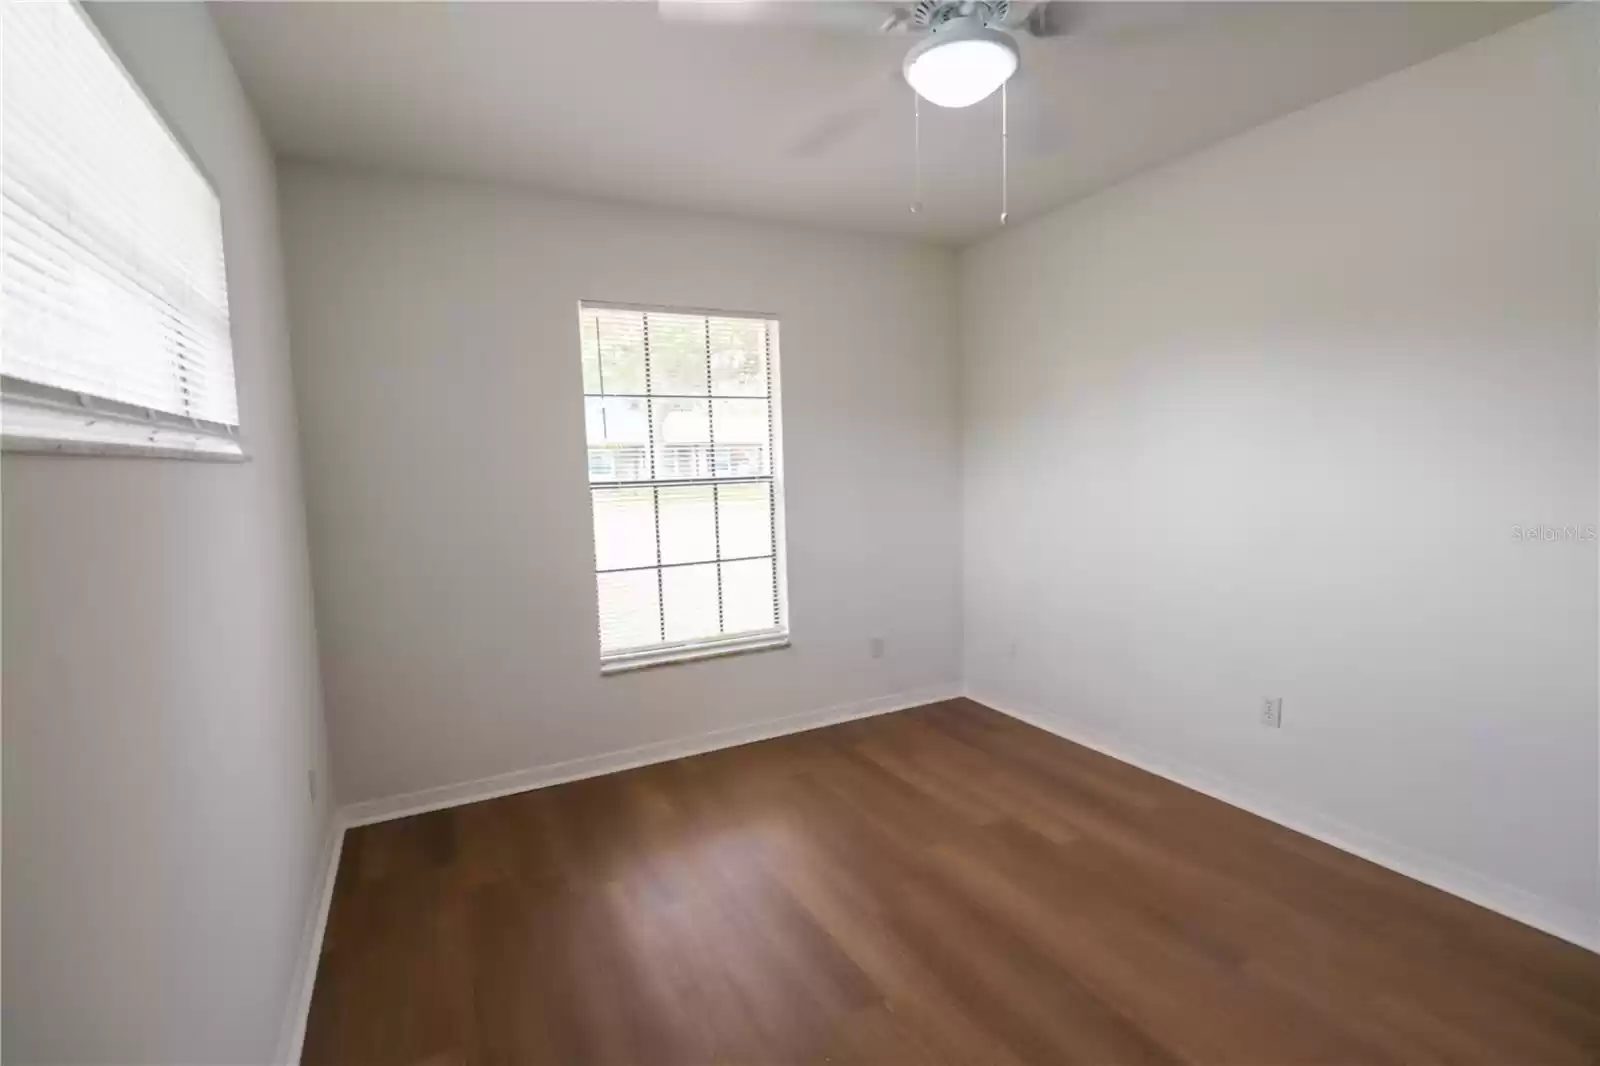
(961, 63)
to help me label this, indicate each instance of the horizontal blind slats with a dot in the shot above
(88, 128)
(52, 236)
(114, 283)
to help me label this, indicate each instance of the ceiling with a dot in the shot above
(608, 99)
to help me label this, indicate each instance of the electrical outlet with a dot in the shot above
(875, 645)
(1011, 650)
(311, 784)
(1272, 712)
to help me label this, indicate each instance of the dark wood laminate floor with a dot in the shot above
(944, 885)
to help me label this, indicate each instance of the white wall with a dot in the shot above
(161, 695)
(1261, 423)
(436, 361)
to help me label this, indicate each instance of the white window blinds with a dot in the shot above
(684, 475)
(115, 327)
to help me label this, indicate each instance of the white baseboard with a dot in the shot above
(433, 799)
(1557, 919)
(293, 1037)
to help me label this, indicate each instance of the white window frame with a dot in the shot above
(44, 420)
(775, 637)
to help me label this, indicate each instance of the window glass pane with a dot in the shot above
(618, 437)
(683, 438)
(738, 357)
(689, 601)
(744, 516)
(624, 528)
(677, 354)
(749, 598)
(688, 524)
(619, 339)
(742, 432)
(630, 610)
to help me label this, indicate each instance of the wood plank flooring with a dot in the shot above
(943, 885)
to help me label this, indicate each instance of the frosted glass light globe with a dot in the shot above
(958, 66)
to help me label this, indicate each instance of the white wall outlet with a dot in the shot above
(311, 785)
(1272, 712)
(875, 646)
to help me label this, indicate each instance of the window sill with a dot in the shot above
(39, 423)
(106, 449)
(688, 653)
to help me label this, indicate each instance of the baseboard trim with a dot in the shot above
(292, 1040)
(1517, 904)
(433, 799)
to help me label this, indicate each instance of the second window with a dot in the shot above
(684, 475)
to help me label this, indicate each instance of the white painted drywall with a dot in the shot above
(1261, 423)
(436, 363)
(161, 694)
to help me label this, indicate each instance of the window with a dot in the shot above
(685, 480)
(115, 334)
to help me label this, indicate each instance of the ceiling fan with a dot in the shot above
(963, 51)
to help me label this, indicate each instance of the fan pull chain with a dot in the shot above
(1005, 161)
(916, 152)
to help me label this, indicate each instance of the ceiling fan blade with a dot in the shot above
(836, 124)
(1049, 19)
(1037, 129)
(1128, 23)
(830, 16)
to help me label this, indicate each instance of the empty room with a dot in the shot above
(675, 532)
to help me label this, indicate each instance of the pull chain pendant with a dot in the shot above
(1005, 161)
(916, 152)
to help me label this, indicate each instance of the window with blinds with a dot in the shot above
(115, 333)
(685, 480)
